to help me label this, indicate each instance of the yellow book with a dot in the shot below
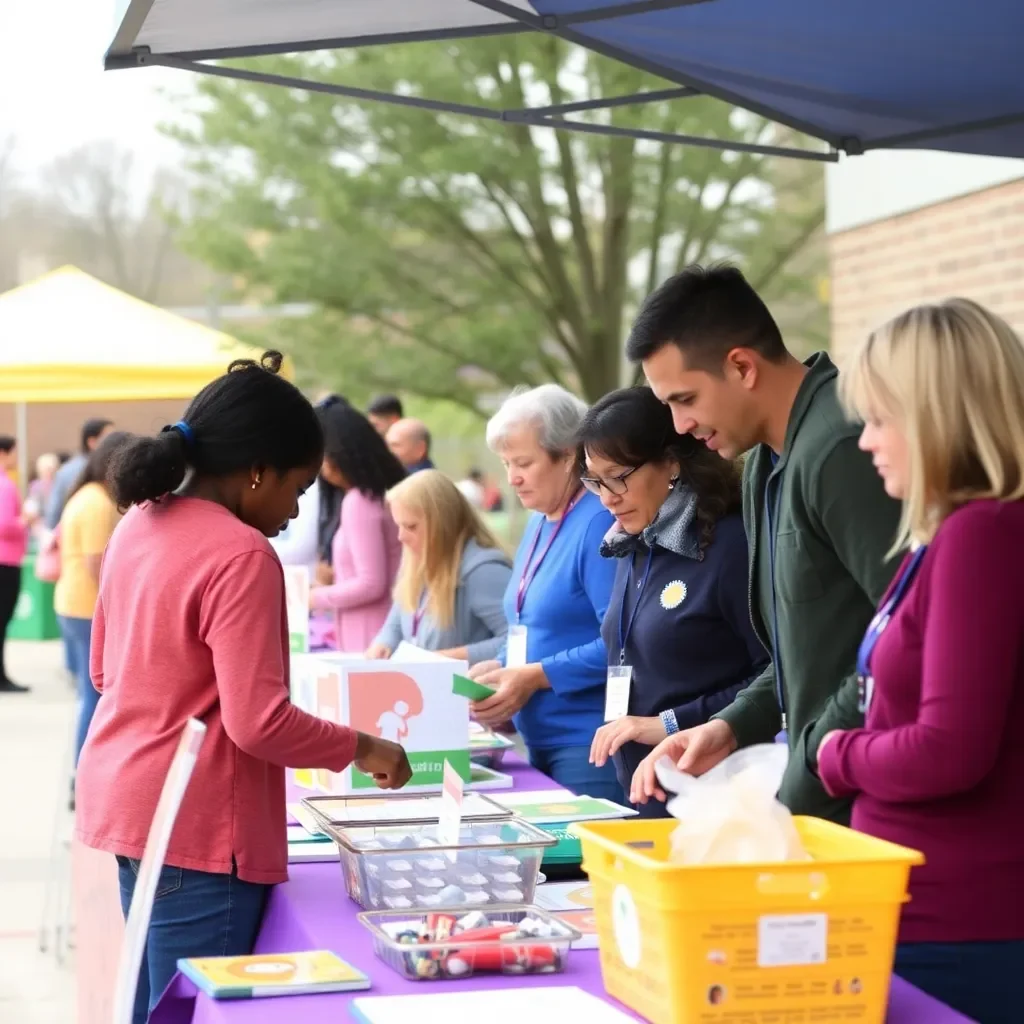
(273, 974)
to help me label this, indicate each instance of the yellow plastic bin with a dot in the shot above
(783, 943)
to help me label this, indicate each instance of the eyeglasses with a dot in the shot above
(617, 485)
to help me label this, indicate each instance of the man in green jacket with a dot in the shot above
(819, 523)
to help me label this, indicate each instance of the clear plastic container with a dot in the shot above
(489, 748)
(399, 868)
(455, 959)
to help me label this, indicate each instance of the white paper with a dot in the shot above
(792, 940)
(616, 693)
(515, 647)
(407, 652)
(554, 1005)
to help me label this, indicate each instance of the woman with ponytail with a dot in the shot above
(190, 623)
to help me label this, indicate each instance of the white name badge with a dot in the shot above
(616, 693)
(515, 647)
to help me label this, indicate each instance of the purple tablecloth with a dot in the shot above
(312, 911)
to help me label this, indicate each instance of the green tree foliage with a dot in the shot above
(454, 258)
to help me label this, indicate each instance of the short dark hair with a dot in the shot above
(97, 467)
(357, 450)
(631, 428)
(249, 416)
(91, 429)
(7, 443)
(386, 405)
(705, 312)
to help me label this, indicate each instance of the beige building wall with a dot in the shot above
(920, 227)
(58, 427)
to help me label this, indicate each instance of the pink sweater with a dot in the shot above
(191, 623)
(939, 765)
(13, 532)
(366, 553)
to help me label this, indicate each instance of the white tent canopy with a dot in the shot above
(197, 28)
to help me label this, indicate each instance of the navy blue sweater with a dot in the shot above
(692, 646)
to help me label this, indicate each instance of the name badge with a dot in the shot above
(616, 693)
(515, 647)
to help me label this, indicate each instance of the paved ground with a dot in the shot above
(35, 733)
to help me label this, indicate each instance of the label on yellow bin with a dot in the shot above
(792, 940)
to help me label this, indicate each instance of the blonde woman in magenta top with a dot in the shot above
(452, 581)
(366, 551)
(939, 765)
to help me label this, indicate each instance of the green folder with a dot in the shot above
(465, 687)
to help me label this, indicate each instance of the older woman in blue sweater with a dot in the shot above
(678, 632)
(550, 675)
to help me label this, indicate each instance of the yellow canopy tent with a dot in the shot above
(67, 337)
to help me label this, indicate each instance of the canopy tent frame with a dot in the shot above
(122, 54)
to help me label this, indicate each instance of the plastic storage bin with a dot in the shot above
(388, 868)
(457, 958)
(807, 941)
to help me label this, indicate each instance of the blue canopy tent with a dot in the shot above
(877, 74)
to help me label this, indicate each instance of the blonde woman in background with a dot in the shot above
(939, 763)
(449, 591)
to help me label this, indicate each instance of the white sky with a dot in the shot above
(55, 95)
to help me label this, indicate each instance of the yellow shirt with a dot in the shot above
(88, 521)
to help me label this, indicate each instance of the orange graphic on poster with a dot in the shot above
(381, 703)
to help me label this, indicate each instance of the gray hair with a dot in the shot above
(555, 413)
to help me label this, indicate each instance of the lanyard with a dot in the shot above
(417, 616)
(882, 619)
(527, 578)
(641, 586)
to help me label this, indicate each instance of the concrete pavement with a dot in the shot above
(35, 736)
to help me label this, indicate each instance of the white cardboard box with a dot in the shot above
(408, 702)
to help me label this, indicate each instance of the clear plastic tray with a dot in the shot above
(489, 748)
(404, 810)
(455, 960)
(409, 869)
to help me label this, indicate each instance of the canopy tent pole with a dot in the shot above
(540, 119)
(21, 436)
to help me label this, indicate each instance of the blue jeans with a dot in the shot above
(195, 913)
(570, 767)
(979, 979)
(77, 641)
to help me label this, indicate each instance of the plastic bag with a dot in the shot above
(730, 814)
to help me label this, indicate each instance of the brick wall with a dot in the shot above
(971, 246)
(58, 427)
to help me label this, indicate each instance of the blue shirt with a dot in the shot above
(562, 612)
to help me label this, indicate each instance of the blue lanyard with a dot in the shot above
(624, 633)
(877, 627)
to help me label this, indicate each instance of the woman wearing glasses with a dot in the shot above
(678, 633)
(549, 676)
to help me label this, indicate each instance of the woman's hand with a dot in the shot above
(513, 687)
(828, 738)
(610, 738)
(324, 574)
(384, 761)
(483, 668)
(377, 652)
(694, 751)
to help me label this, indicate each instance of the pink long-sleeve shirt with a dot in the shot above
(13, 532)
(939, 765)
(366, 553)
(191, 623)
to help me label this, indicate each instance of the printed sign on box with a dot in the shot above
(296, 601)
(408, 703)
